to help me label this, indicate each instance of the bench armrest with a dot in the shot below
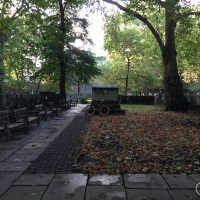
(3, 124)
(21, 116)
(16, 118)
(33, 112)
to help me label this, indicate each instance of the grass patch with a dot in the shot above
(139, 107)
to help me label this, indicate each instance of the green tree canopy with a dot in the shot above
(125, 41)
(173, 11)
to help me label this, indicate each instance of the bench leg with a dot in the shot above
(7, 135)
(38, 121)
(26, 128)
(28, 123)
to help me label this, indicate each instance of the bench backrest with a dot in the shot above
(20, 111)
(5, 116)
(39, 107)
(51, 104)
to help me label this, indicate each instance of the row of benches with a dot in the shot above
(20, 119)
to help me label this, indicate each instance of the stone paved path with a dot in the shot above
(23, 151)
(59, 156)
(72, 186)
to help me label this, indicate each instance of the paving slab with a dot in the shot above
(105, 180)
(22, 157)
(18, 139)
(179, 181)
(14, 166)
(29, 151)
(105, 193)
(67, 187)
(48, 130)
(8, 146)
(34, 179)
(44, 139)
(184, 195)
(41, 136)
(145, 181)
(56, 122)
(4, 154)
(195, 177)
(139, 194)
(7, 179)
(24, 193)
(36, 145)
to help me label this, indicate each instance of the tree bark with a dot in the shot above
(174, 95)
(2, 41)
(127, 76)
(62, 79)
(38, 85)
(62, 56)
(78, 88)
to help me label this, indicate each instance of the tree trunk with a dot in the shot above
(38, 85)
(174, 96)
(2, 41)
(62, 79)
(62, 56)
(127, 76)
(78, 88)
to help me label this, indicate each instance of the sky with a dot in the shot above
(96, 33)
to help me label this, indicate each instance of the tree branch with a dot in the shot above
(161, 3)
(141, 18)
(4, 4)
(18, 10)
(65, 5)
(184, 15)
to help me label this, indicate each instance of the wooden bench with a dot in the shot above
(30, 117)
(42, 111)
(4, 130)
(55, 108)
(65, 105)
(73, 102)
(9, 124)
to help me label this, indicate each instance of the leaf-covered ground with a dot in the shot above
(141, 142)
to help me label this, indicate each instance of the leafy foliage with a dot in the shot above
(33, 49)
(125, 40)
(146, 69)
(188, 40)
(173, 12)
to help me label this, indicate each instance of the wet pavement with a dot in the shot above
(60, 155)
(77, 186)
(18, 183)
